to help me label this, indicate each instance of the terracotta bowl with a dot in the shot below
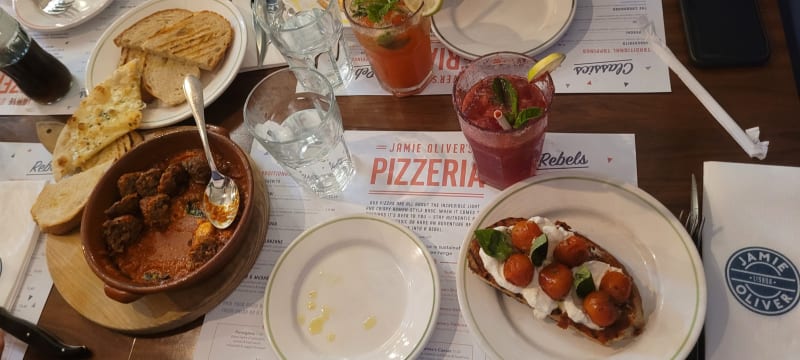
(119, 286)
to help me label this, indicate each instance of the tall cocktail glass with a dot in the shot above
(398, 45)
(503, 157)
(293, 114)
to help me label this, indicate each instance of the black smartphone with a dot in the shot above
(724, 32)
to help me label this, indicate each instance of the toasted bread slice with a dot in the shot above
(128, 54)
(201, 39)
(59, 207)
(112, 109)
(139, 32)
(163, 78)
(631, 321)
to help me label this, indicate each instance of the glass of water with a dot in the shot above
(311, 37)
(293, 114)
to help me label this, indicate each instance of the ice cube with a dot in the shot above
(273, 131)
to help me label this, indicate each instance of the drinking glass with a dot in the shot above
(398, 48)
(503, 157)
(293, 114)
(37, 73)
(308, 38)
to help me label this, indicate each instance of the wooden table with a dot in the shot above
(674, 136)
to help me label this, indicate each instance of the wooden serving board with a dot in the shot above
(154, 313)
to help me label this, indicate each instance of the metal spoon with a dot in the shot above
(221, 200)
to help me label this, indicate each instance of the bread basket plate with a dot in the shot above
(32, 17)
(353, 287)
(105, 56)
(629, 223)
(476, 28)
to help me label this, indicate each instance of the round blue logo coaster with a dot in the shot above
(763, 280)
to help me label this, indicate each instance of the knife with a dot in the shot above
(262, 41)
(40, 339)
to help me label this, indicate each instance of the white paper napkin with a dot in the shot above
(751, 254)
(18, 234)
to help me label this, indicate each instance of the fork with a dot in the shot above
(694, 223)
(55, 7)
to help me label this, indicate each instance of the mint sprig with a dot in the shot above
(374, 10)
(506, 94)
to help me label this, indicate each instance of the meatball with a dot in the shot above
(173, 179)
(198, 168)
(128, 205)
(126, 184)
(147, 183)
(120, 232)
(155, 210)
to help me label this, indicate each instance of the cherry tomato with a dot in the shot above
(518, 270)
(600, 309)
(572, 251)
(523, 233)
(617, 285)
(556, 280)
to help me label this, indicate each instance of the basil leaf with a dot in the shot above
(494, 243)
(584, 284)
(525, 115)
(539, 250)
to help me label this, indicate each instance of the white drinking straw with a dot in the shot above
(748, 140)
(501, 119)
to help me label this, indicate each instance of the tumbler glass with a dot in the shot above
(37, 73)
(503, 156)
(398, 47)
(293, 114)
(309, 38)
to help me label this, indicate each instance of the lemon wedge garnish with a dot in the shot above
(546, 65)
(429, 7)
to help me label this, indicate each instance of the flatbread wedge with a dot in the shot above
(631, 320)
(112, 109)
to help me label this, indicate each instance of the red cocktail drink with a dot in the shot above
(483, 90)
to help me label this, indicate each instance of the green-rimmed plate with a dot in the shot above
(355, 287)
(105, 56)
(626, 221)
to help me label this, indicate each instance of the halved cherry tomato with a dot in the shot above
(518, 269)
(523, 233)
(600, 309)
(617, 285)
(572, 251)
(556, 280)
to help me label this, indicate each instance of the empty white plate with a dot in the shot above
(355, 287)
(476, 28)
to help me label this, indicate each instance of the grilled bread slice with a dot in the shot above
(631, 320)
(135, 35)
(201, 39)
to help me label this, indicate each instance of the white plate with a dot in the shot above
(32, 17)
(476, 28)
(627, 222)
(105, 56)
(375, 279)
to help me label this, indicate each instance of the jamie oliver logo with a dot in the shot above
(762, 280)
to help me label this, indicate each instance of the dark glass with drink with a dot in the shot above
(37, 73)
